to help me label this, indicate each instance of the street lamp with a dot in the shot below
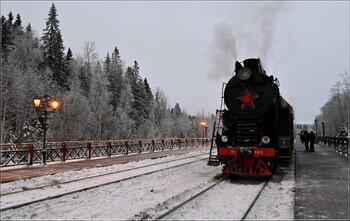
(45, 105)
(205, 128)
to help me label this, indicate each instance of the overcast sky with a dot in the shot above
(188, 49)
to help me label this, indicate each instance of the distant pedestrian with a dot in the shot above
(306, 140)
(312, 139)
(302, 136)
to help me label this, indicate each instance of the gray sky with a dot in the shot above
(188, 49)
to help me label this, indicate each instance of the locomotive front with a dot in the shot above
(247, 135)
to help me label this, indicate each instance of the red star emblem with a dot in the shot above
(247, 99)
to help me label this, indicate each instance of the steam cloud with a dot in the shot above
(252, 36)
(222, 51)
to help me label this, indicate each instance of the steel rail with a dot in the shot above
(94, 186)
(189, 199)
(205, 190)
(255, 199)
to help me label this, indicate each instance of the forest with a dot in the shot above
(101, 99)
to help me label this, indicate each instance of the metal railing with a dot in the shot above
(31, 153)
(338, 144)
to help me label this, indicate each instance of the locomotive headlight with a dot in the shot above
(224, 139)
(244, 74)
(265, 139)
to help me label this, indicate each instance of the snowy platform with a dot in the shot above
(322, 184)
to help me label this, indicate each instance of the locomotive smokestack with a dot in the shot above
(238, 66)
(254, 64)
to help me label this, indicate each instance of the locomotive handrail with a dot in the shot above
(338, 144)
(12, 154)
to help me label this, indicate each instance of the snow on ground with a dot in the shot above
(277, 199)
(72, 175)
(146, 196)
(227, 201)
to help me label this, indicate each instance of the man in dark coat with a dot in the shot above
(306, 140)
(312, 138)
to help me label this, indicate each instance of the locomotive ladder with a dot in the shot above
(213, 156)
(285, 140)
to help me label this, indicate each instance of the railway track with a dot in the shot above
(16, 199)
(191, 191)
(171, 213)
(5, 192)
(254, 201)
(175, 208)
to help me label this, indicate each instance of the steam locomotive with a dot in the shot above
(253, 130)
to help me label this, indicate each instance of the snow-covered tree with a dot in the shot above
(102, 115)
(21, 82)
(335, 112)
(124, 124)
(73, 121)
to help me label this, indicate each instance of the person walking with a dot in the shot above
(306, 140)
(312, 139)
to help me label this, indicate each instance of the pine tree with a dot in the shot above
(6, 36)
(142, 105)
(148, 100)
(10, 16)
(69, 55)
(84, 80)
(29, 28)
(148, 129)
(17, 25)
(114, 72)
(69, 72)
(54, 49)
(107, 63)
(149, 95)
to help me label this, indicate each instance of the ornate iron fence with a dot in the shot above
(338, 144)
(32, 153)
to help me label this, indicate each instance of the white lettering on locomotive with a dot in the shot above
(258, 152)
(233, 151)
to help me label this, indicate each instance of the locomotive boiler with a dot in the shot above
(253, 130)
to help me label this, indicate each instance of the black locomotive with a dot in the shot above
(253, 132)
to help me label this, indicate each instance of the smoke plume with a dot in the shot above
(222, 51)
(250, 36)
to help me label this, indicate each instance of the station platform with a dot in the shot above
(25, 172)
(322, 184)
